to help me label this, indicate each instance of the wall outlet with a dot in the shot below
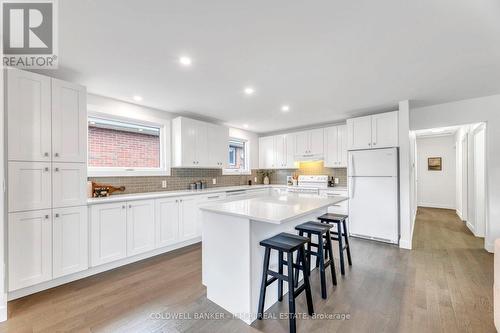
(163, 184)
(214, 181)
(255, 180)
(336, 181)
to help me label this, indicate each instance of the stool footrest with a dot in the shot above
(276, 276)
(271, 280)
(299, 290)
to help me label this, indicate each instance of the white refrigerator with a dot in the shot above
(374, 194)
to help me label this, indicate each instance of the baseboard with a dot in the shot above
(490, 247)
(405, 244)
(471, 228)
(431, 205)
(97, 269)
(459, 213)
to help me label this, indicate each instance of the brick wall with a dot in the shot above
(114, 148)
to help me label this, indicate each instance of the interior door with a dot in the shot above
(70, 240)
(29, 116)
(69, 122)
(373, 208)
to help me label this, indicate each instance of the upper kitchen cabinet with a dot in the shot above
(335, 146)
(276, 152)
(47, 118)
(29, 116)
(370, 132)
(194, 147)
(266, 152)
(69, 122)
(308, 144)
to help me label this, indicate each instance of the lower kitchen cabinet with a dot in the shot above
(70, 240)
(30, 248)
(108, 233)
(140, 226)
(189, 218)
(167, 221)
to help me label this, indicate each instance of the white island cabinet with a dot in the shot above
(232, 257)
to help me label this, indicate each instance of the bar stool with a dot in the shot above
(340, 221)
(286, 243)
(324, 245)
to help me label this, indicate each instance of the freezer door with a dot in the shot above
(373, 208)
(373, 163)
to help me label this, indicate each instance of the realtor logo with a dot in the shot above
(29, 34)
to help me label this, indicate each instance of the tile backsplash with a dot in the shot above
(181, 178)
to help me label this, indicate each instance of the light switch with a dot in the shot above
(336, 180)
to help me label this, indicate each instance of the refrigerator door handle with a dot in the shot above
(351, 187)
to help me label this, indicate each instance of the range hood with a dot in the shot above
(309, 157)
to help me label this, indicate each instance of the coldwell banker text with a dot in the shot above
(30, 34)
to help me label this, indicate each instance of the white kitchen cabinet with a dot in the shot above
(108, 233)
(29, 186)
(218, 146)
(189, 218)
(193, 146)
(30, 248)
(140, 226)
(376, 131)
(69, 122)
(70, 240)
(385, 132)
(29, 116)
(267, 154)
(167, 221)
(335, 146)
(69, 184)
(308, 144)
(284, 154)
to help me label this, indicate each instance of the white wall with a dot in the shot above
(484, 109)
(3, 213)
(437, 188)
(406, 221)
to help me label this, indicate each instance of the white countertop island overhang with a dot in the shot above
(232, 256)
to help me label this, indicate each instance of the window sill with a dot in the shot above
(127, 173)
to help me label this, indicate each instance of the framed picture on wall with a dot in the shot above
(434, 164)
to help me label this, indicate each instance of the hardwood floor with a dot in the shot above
(443, 285)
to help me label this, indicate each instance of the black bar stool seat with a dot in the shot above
(322, 231)
(340, 221)
(286, 243)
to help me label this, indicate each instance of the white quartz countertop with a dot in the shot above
(273, 208)
(163, 194)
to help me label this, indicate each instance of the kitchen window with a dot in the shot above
(125, 147)
(238, 157)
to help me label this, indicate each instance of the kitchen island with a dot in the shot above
(232, 256)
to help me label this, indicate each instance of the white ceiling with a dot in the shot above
(327, 59)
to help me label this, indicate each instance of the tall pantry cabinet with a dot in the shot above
(47, 176)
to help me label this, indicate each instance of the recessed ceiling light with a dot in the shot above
(285, 108)
(137, 98)
(249, 90)
(245, 125)
(185, 61)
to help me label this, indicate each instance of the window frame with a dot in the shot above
(246, 170)
(163, 170)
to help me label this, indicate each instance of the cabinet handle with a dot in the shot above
(46, 154)
(57, 215)
(56, 169)
(129, 206)
(123, 206)
(56, 154)
(46, 217)
(374, 143)
(46, 169)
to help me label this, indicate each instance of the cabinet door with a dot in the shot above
(70, 240)
(289, 145)
(189, 225)
(359, 133)
(29, 186)
(316, 141)
(29, 120)
(342, 145)
(69, 184)
(202, 144)
(385, 130)
(331, 147)
(186, 146)
(69, 122)
(140, 226)
(266, 152)
(280, 151)
(30, 248)
(108, 233)
(167, 221)
(218, 145)
(301, 143)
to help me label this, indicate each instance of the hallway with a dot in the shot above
(443, 285)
